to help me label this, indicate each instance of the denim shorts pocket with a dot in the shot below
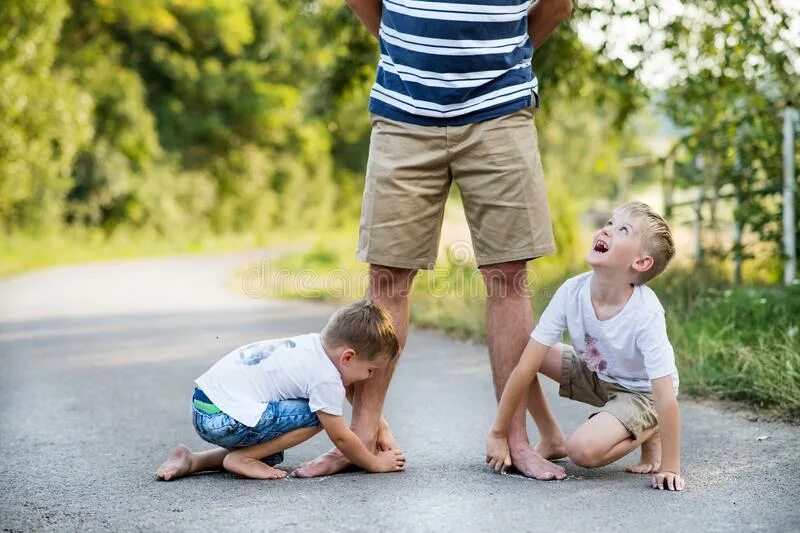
(219, 429)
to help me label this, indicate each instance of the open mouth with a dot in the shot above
(600, 247)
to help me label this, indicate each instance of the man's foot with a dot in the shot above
(552, 450)
(385, 438)
(178, 464)
(327, 464)
(650, 461)
(251, 468)
(531, 464)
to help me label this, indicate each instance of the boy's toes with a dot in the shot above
(641, 468)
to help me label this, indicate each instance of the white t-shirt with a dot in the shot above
(629, 349)
(243, 382)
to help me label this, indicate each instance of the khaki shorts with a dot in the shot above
(497, 168)
(636, 410)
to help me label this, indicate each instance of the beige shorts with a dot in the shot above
(497, 168)
(636, 410)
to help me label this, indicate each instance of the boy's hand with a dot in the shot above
(667, 480)
(497, 453)
(391, 461)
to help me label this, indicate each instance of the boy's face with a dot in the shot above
(617, 247)
(354, 369)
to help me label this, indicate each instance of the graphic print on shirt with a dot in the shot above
(592, 356)
(252, 354)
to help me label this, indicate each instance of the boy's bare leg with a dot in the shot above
(182, 462)
(390, 288)
(552, 442)
(602, 440)
(650, 460)
(247, 461)
(509, 321)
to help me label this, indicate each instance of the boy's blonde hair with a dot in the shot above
(656, 238)
(364, 326)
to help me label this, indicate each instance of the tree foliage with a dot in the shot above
(232, 115)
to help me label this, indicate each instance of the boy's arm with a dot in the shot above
(669, 417)
(368, 12)
(352, 447)
(497, 453)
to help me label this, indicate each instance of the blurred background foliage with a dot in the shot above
(195, 117)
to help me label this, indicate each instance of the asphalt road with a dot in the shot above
(96, 370)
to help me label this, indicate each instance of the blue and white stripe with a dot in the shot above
(448, 63)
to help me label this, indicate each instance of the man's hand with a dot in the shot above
(497, 453)
(667, 480)
(390, 461)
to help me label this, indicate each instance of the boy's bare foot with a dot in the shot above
(250, 467)
(332, 462)
(178, 464)
(552, 450)
(531, 464)
(650, 461)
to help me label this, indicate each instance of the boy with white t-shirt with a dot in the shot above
(268, 396)
(621, 359)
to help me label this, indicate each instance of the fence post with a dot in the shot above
(789, 236)
(698, 211)
(738, 222)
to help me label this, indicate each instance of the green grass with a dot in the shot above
(741, 344)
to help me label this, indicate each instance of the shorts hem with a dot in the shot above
(396, 262)
(519, 255)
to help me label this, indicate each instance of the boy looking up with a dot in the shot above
(621, 359)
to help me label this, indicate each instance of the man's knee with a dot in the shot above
(390, 282)
(503, 279)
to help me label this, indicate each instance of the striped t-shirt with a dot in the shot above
(447, 63)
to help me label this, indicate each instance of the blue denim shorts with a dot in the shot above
(278, 418)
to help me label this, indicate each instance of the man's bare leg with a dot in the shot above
(182, 462)
(385, 440)
(390, 288)
(509, 321)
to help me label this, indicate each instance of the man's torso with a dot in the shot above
(452, 63)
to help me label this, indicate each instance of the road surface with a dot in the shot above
(96, 369)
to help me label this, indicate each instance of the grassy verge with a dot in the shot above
(740, 344)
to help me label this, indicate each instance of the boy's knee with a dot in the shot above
(582, 453)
